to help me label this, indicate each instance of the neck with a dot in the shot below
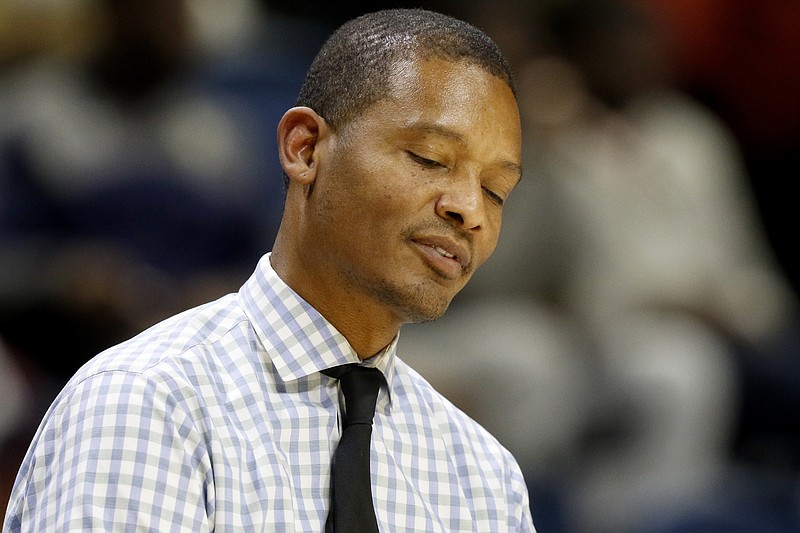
(367, 326)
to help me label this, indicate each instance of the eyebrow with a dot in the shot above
(437, 129)
(513, 167)
(443, 131)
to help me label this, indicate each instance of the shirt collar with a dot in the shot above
(297, 338)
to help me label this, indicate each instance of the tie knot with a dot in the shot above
(360, 387)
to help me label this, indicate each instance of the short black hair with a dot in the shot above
(353, 68)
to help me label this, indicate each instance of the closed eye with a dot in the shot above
(424, 161)
(494, 197)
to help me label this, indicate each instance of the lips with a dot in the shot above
(445, 255)
(444, 252)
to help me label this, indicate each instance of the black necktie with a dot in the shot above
(351, 494)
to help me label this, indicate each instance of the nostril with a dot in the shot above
(456, 216)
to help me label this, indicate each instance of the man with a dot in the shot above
(404, 146)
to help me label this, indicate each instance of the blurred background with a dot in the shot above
(634, 339)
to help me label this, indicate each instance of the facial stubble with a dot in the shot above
(414, 302)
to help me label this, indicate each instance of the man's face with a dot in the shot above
(408, 201)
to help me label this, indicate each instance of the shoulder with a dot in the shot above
(177, 368)
(142, 403)
(175, 342)
(466, 436)
(103, 435)
(476, 461)
(163, 373)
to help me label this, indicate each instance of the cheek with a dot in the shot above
(486, 251)
(488, 240)
(395, 194)
(366, 207)
(376, 195)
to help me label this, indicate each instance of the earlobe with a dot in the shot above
(300, 133)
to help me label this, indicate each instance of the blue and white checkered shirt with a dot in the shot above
(219, 419)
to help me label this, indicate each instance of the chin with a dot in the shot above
(417, 303)
(428, 314)
(411, 300)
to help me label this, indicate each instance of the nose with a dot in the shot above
(463, 204)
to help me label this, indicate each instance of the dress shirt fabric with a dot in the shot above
(219, 419)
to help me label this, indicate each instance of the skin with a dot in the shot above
(370, 207)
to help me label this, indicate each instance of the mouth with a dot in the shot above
(447, 257)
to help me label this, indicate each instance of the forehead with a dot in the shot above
(436, 76)
(452, 99)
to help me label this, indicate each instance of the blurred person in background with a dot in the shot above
(670, 270)
(739, 57)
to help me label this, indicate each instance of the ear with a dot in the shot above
(301, 132)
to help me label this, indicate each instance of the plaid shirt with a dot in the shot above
(218, 419)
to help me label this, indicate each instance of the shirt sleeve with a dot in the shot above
(521, 520)
(117, 451)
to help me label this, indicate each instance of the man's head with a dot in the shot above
(399, 161)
